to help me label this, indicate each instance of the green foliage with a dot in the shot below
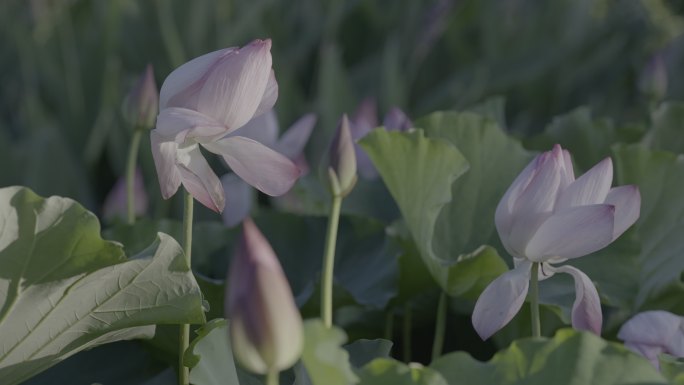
(325, 361)
(383, 371)
(65, 289)
(210, 357)
(570, 357)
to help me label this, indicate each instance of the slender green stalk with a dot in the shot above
(130, 175)
(440, 327)
(184, 341)
(534, 300)
(389, 325)
(272, 377)
(407, 332)
(329, 261)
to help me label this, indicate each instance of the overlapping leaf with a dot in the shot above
(64, 289)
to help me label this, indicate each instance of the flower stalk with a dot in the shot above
(534, 300)
(440, 326)
(130, 175)
(184, 340)
(329, 261)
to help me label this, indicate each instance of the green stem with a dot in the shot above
(534, 300)
(130, 175)
(184, 341)
(407, 332)
(272, 377)
(329, 261)
(389, 325)
(440, 327)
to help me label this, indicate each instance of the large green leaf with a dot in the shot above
(646, 262)
(449, 221)
(385, 371)
(570, 357)
(363, 351)
(326, 362)
(666, 131)
(210, 357)
(64, 289)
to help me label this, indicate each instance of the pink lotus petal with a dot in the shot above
(627, 202)
(590, 188)
(261, 167)
(180, 124)
(187, 79)
(269, 97)
(504, 215)
(239, 197)
(263, 128)
(199, 179)
(655, 328)
(501, 300)
(292, 142)
(648, 351)
(164, 155)
(567, 171)
(396, 120)
(586, 310)
(235, 87)
(365, 119)
(572, 233)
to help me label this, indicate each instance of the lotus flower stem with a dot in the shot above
(329, 260)
(534, 300)
(130, 175)
(272, 378)
(408, 325)
(389, 325)
(440, 327)
(184, 340)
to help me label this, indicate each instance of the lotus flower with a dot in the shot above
(264, 129)
(654, 332)
(265, 324)
(203, 101)
(548, 216)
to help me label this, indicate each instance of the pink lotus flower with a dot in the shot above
(265, 324)
(203, 101)
(548, 216)
(264, 129)
(654, 332)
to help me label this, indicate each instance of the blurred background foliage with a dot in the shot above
(65, 66)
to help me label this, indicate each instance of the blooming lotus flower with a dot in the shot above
(547, 216)
(115, 202)
(203, 101)
(654, 332)
(265, 324)
(264, 129)
(364, 120)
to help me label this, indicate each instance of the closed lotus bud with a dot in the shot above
(342, 160)
(265, 324)
(653, 79)
(142, 104)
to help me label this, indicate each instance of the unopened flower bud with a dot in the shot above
(265, 324)
(342, 160)
(142, 103)
(653, 79)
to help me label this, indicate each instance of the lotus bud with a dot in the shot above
(115, 202)
(342, 160)
(265, 324)
(396, 120)
(653, 79)
(142, 104)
